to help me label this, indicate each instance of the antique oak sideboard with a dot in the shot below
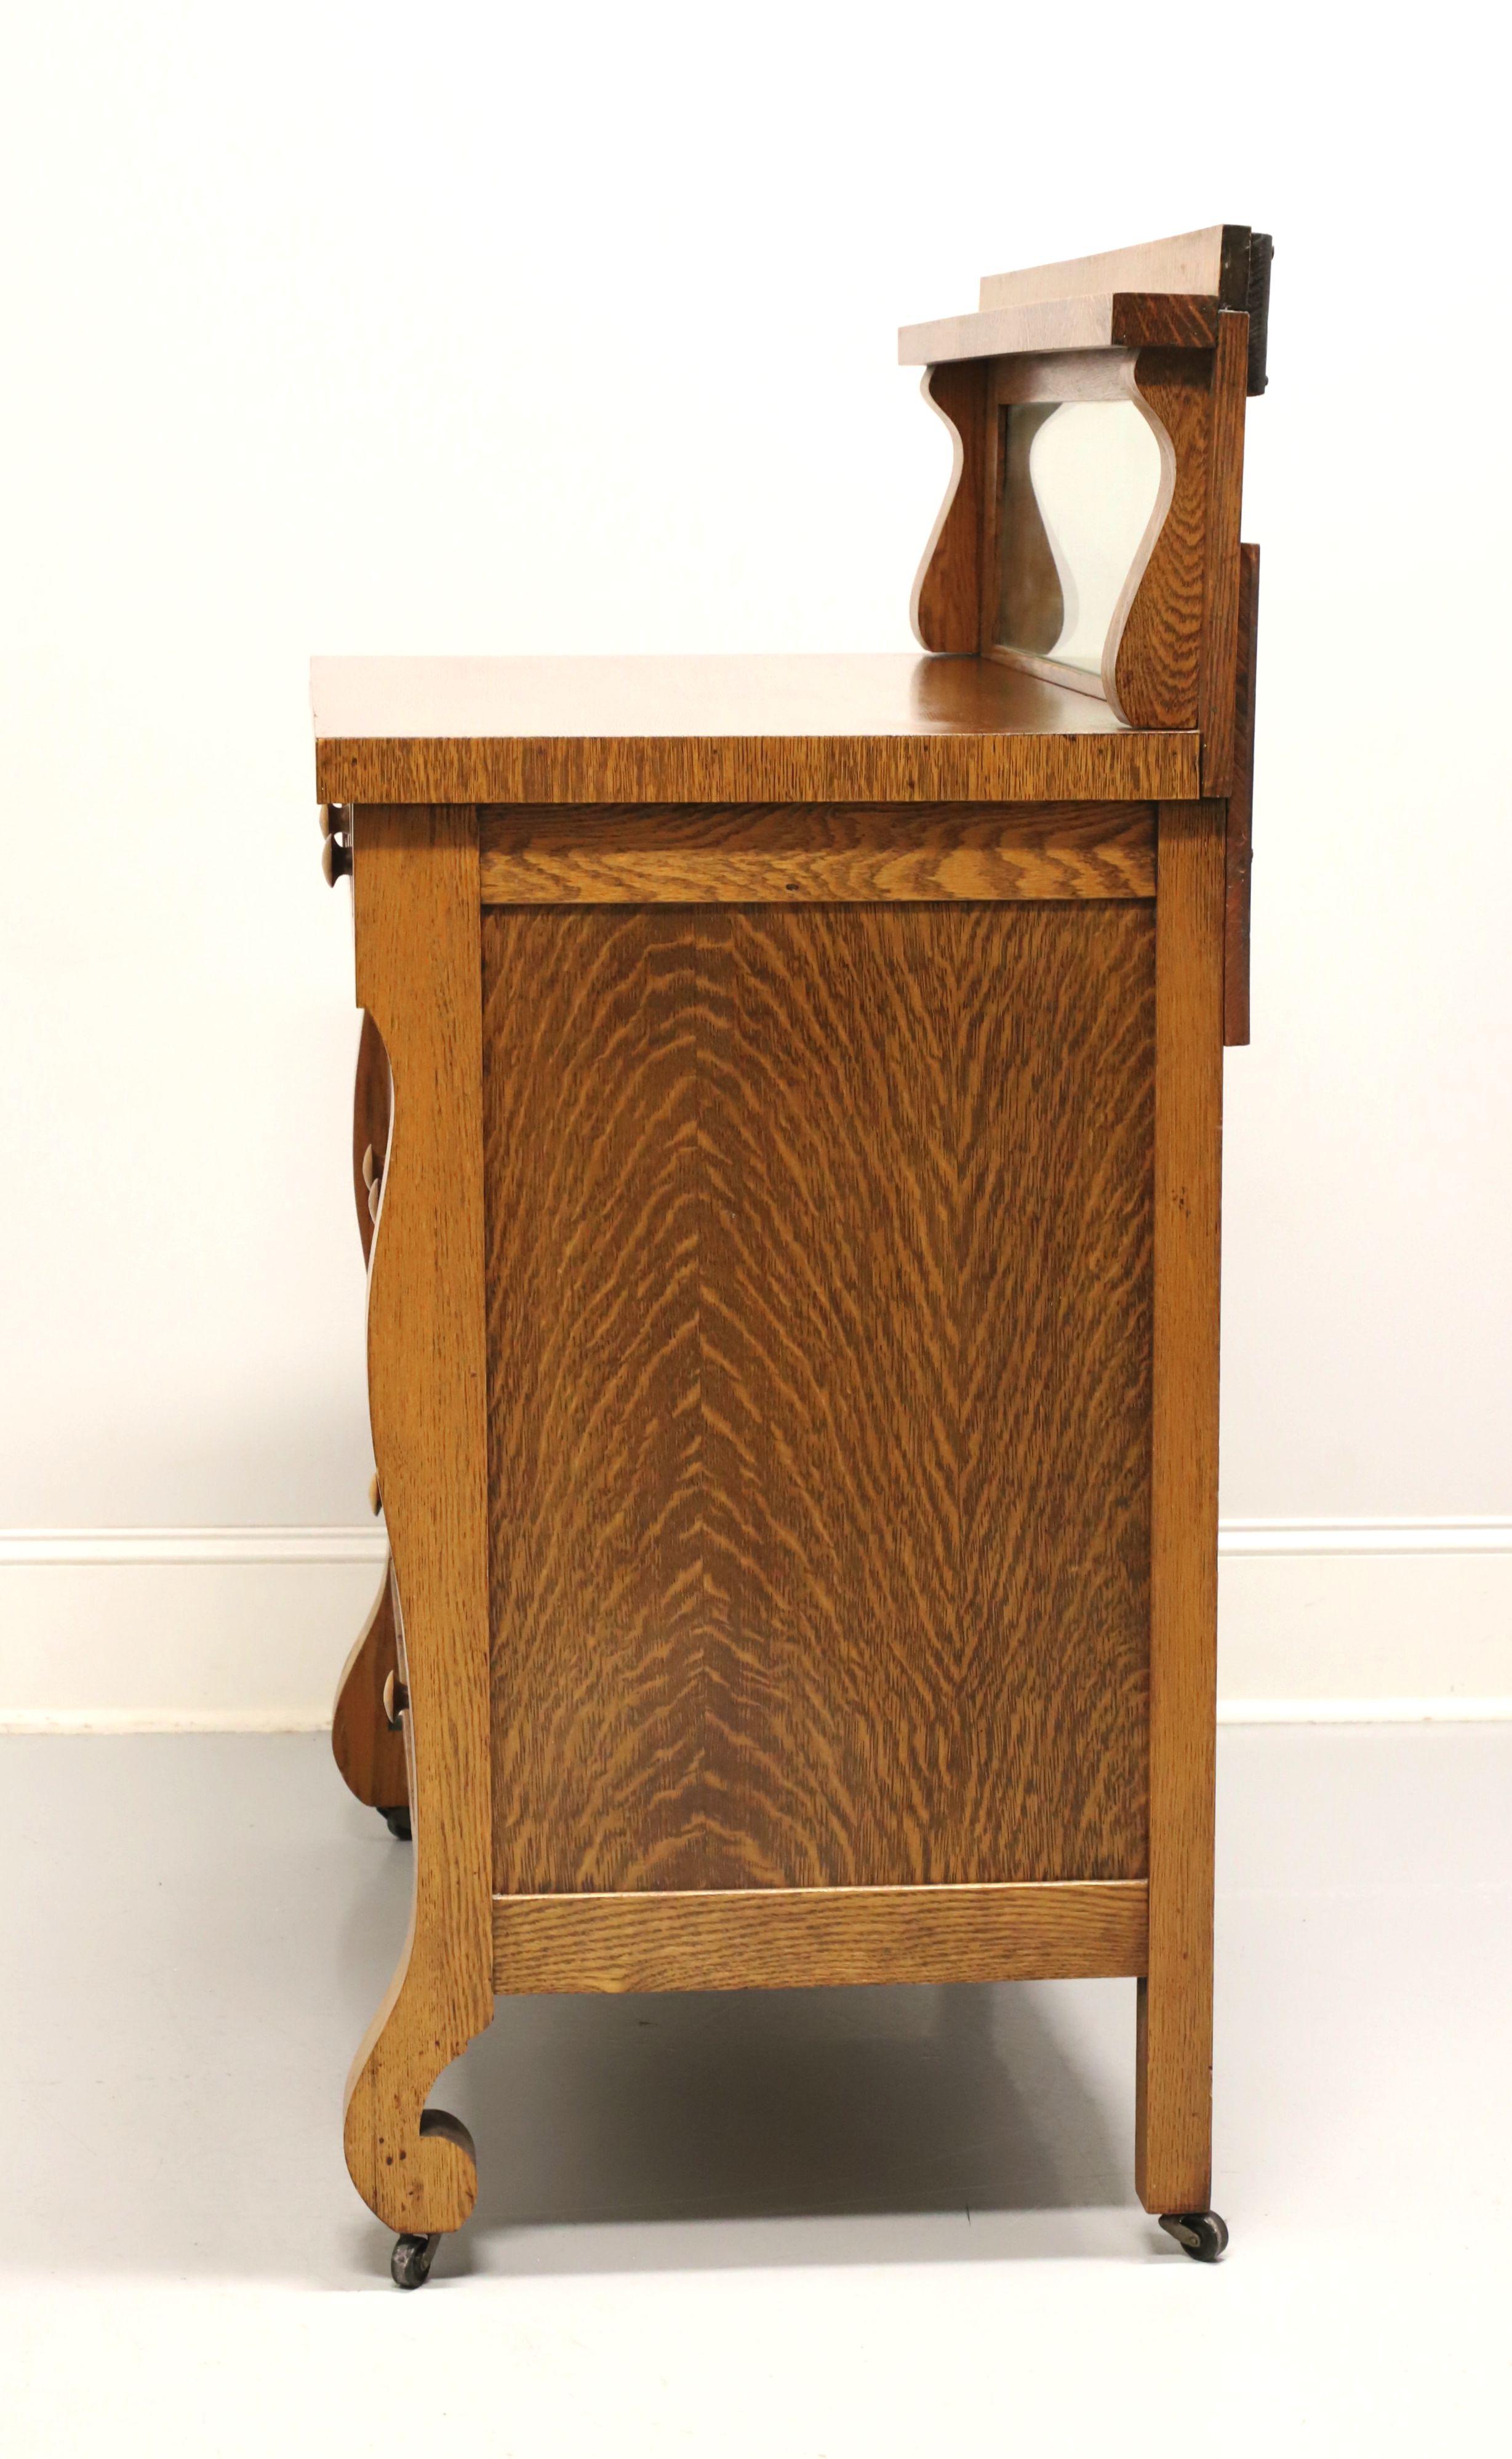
(787, 1136)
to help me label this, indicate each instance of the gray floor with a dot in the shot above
(826, 2222)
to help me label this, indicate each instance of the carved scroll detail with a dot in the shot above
(417, 894)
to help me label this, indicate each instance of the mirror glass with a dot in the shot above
(1079, 481)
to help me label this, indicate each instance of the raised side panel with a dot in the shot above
(834, 855)
(945, 606)
(819, 1391)
(1174, 2117)
(415, 888)
(779, 1938)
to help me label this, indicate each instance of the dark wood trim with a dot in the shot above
(1239, 846)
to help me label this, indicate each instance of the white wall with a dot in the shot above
(339, 328)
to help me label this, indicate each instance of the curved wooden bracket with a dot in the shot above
(945, 609)
(415, 888)
(1151, 656)
(1171, 657)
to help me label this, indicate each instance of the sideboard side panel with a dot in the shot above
(819, 1385)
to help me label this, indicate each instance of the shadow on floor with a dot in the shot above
(200, 1927)
(610, 2112)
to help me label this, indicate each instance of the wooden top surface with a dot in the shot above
(1211, 264)
(1116, 320)
(879, 728)
(1166, 291)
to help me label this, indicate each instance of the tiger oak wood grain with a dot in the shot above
(780, 1938)
(1153, 657)
(802, 729)
(1173, 2127)
(819, 1317)
(415, 899)
(761, 854)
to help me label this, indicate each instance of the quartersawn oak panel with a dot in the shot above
(747, 854)
(780, 1938)
(819, 1389)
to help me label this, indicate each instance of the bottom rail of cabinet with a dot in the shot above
(779, 1938)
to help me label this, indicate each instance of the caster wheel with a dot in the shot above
(1203, 2234)
(412, 2259)
(398, 1821)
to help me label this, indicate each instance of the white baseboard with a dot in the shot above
(245, 1630)
(202, 1630)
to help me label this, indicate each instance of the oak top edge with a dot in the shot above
(1086, 321)
(804, 729)
(692, 699)
(1210, 262)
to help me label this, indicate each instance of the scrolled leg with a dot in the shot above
(415, 887)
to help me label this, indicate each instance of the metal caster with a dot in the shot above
(398, 1821)
(411, 2259)
(1203, 2234)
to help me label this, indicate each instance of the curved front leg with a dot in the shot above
(417, 895)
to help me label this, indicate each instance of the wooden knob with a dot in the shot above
(395, 1699)
(374, 1495)
(369, 1168)
(336, 861)
(373, 1193)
